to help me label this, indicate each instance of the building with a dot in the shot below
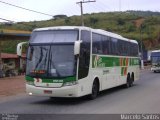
(6, 35)
(12, 65)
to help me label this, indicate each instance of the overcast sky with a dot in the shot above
(69, 8)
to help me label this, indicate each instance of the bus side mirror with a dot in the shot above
(77, 45)
(19, 48)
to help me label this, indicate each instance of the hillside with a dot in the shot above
(138, 25)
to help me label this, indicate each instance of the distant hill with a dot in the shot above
(144, 13)
(138, 25)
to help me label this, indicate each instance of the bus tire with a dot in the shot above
(95, 89)
(132, 80)
(128, 81)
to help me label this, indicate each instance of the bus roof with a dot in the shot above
(99, 31)
(62, 28)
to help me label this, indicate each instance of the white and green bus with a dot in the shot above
(74, 61)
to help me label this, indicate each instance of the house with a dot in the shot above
(60, 16)
(11, 35)
(12, 64)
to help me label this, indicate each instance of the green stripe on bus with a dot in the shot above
(102, 61)
(29, 78)
(124, 71)
(54, 80)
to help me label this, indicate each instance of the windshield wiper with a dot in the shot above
(42, 56)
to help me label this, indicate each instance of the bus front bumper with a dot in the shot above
(66, 91)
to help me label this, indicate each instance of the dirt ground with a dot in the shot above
(11, 86)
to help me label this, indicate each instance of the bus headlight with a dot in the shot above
(70, 83)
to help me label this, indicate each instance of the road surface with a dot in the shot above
(143, 97)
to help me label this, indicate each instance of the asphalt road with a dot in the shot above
(143, 97)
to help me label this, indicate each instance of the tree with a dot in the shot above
(67, 21)
(93, 20)
(120, 21)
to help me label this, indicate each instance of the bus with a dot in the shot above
(155, 61)
(74, 61)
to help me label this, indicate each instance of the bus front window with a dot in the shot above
(37, 60)
(51, 53)
(51, 61)
(62, 61)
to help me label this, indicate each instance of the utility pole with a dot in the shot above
(81, 5)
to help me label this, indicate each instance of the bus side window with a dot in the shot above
(95, 50)
(97, 44)
(113, 46)
(105, 45)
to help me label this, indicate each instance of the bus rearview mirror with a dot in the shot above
(77, 45)
(19, 48)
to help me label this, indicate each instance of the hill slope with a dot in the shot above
(138, 25)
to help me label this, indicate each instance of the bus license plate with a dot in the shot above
(47, 92)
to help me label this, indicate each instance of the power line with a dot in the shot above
(7, 20)
(26, 9)
(15, 22)
(105, 6)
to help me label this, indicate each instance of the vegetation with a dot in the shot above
(138, 25)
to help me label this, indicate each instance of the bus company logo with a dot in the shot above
(37, 80)
(98, 62)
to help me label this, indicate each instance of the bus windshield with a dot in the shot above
(51, 61)
(156, 59)
(51, 54)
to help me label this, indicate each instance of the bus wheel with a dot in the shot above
(128, 82)
(95, 90)
(131, 80)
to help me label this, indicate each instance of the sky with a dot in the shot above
(69, 8)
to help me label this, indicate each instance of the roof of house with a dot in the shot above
(8, 55)
(14, 35)
(7, 31)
